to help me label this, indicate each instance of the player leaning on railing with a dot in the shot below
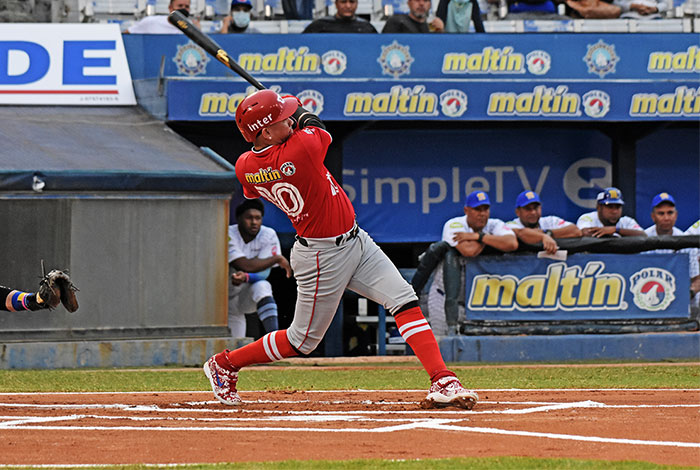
(331, 253)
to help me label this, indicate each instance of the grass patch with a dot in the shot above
(490, 463)
(329, 378)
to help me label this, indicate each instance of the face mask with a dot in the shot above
(241, 19)
(184, 11)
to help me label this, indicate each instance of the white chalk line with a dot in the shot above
(571, 437)
(316, 417)
(435, 424)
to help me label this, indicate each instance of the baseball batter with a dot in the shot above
(331, 253)
(252, 250)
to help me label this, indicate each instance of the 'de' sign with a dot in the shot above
(64, 64)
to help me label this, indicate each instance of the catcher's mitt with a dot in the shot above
(56, 287)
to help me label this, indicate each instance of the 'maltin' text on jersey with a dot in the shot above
(263, 175)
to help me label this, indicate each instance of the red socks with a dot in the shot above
(416, 331)
(272, 347)
(275, 346)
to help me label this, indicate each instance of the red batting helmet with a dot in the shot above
(262, 109)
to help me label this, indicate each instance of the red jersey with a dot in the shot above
(293, 177)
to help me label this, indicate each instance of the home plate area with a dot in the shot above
(189, 427)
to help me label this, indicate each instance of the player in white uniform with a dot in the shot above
(607, 220)
(530, 227)
(252, 250)
(664, 215)
(331, 253)
(469, 235)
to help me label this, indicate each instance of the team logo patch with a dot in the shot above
(453, 103)
(191, 60)
(653, 289)
(288, 168)
(334, 62)
(395, 60)
(596, 103)
(311, 100)
(601, 58)
(538, 62)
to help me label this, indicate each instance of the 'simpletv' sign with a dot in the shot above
(584, 287)
(64, 64)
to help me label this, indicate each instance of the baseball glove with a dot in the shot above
(57, 288)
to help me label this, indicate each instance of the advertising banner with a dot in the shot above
(584, 287)
(615, 77)
(446, 100)
(64, 64)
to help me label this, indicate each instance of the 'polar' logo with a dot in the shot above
(538, 62)
(453, 103)
(288, 168)
(311, 100)
(653, 289)
(334, 62)
(596, 103)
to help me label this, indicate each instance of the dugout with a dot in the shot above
(139, 217)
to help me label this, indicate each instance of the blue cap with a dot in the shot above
(525, 198)
(241, 2)
(610, 196)
(662, 197)
(476, 199)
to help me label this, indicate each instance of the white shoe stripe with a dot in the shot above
(409, 325)
(413, 331)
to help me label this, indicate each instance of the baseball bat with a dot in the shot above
(181, 22)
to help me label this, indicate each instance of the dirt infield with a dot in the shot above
(187, 427)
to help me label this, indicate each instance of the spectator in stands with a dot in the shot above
(469, 235)
(252, 250)
(664, 215)
(344, 20)
(238, 21)
(531, 228)
(457, 15)
(641, 9)
(593, 9)
(416, 21)
(158, 24)
(532, 10)
(298, 9)
(607, 220)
